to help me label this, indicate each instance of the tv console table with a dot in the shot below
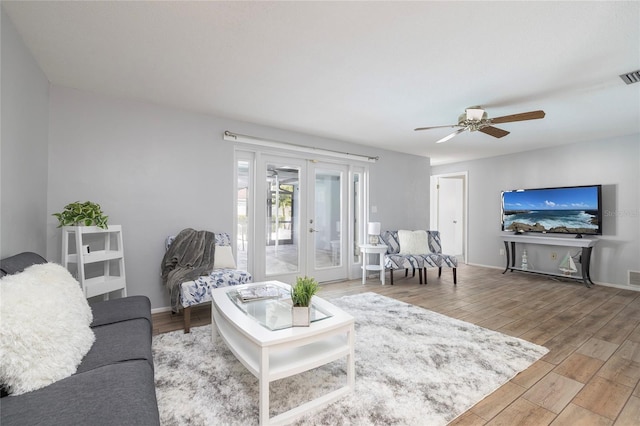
(586, 243)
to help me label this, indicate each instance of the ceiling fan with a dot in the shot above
(475, 118)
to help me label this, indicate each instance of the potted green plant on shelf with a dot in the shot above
(301, 294)
(79, 214)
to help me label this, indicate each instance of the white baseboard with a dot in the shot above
(620, 286)
(485, 266)
(160, 310)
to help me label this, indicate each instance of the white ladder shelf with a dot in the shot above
(96, 256)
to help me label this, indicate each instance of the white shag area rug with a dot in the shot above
(413, 366)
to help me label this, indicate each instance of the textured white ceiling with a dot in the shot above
(363, 72)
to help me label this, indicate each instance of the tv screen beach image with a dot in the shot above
(572, 210)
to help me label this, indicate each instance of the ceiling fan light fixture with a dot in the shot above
(475, 119)
(475, 114)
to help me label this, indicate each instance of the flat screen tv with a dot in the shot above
(565, 210)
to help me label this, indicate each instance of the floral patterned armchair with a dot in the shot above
(198, 291)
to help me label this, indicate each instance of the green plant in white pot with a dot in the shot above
(301, 294)
(79, 214)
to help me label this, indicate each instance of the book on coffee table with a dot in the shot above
(261, 292)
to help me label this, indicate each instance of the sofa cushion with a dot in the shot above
(118, 394)
(44, 327)
(17, 263)
(118, 342)
(413, 242)
(118, 310)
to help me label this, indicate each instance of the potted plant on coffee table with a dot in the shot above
(301, 294)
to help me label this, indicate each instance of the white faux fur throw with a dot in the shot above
(44, 327)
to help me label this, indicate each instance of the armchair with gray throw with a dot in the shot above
(196, 262)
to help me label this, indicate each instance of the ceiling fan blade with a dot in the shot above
(456, 133)
(436, 127)
(494, 131)
(531, 115)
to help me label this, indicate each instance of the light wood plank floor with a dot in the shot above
(591, 376)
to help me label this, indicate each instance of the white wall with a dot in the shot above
(23, 147)
(156, 170)
(614, 163)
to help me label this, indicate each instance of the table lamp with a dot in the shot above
(373, 229)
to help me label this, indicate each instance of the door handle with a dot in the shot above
(313, 230)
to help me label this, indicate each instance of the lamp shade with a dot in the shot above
(373, 228)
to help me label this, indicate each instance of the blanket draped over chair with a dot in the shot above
(189, 256)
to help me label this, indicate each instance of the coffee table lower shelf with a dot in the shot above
(273, 355)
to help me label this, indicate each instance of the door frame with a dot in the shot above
(249, 152)
(434, 203)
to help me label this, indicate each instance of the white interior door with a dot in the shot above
(450, 207)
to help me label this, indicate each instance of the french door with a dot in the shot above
(300, 219)
(326, 222)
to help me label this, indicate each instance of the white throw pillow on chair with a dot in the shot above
(413, 242)
(223, 258)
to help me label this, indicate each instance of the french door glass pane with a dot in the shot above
(328, 218)
(242, 199)
(357, 214)
(282, 242)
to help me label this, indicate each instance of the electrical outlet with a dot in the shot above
(554, 256)
(501, 252)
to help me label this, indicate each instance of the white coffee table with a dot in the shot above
(260, 336)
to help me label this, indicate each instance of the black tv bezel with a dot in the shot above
(600, 215)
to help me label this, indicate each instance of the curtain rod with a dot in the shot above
(236, 137)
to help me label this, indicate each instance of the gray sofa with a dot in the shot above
(114, 384)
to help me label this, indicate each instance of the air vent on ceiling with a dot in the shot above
(634, 278)
(632, 77)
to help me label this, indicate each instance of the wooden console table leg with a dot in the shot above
(586, 262)
(506, 254)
